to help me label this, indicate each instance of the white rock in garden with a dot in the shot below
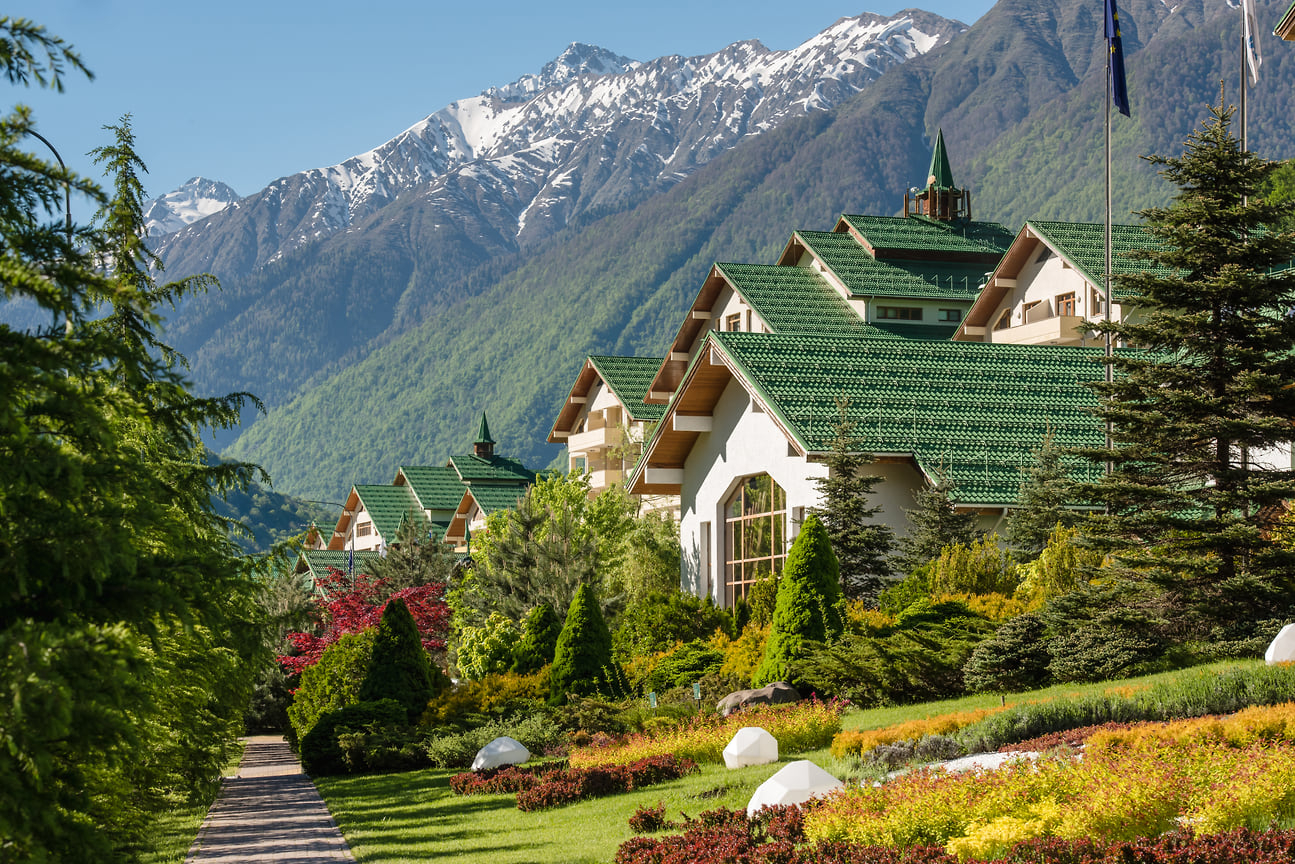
(796, 783)
(751, 746)
(501, 751)
(1282, 649)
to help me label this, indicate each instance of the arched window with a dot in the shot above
(755, 534)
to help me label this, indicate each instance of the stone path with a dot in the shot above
(268, 812)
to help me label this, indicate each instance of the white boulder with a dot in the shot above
(1282, 649)
(796, 783)
(499, 752)
(751, 746)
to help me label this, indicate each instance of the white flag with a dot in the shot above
(1253, 58)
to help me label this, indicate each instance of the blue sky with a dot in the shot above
(247, 92)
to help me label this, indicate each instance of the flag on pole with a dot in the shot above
(1253, 58)
(1119, 85)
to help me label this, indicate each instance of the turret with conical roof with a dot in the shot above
(940, 199)
(484, 446)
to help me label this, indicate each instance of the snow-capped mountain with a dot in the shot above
(592, 129)
(196, 199)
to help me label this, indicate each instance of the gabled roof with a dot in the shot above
(864, 276)
(388, 506)
(436, 487)
(493, 469)
(974, 412)
(488, 499)
(922, 237)
(1081, 245)
(314, 563)
(628, 378)
(793, 299)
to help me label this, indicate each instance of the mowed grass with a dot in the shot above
(173, 832)
(414, 816)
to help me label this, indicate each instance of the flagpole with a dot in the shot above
(1110, 87)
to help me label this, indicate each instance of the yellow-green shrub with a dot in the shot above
(858, 742)
(494, 695)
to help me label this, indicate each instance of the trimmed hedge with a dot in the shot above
(321, 752)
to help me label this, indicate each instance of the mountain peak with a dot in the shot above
(197, 199)
(576, 60)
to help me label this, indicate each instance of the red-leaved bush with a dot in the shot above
(356, 604)
(556, 788)
(509, 779)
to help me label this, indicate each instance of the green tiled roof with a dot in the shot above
(319, 560)
(931, 235)
(630, 378)
(387, 505)
(865, 276)
(794, 300)
(436, 487)
(1084, 243)
(973, 411)
(908, 330)
(495, 468)
(492, 498)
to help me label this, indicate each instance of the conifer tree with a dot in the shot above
(861, 542)
(933, 524)
(399, 668)
(414, 559)
(809, 603)
(539, 640)
(1041, 503)
(1201, 412)
(582, 662)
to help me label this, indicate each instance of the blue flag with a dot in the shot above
(1119, 85)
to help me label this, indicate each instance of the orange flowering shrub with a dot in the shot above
(798, 727)
(858, 742)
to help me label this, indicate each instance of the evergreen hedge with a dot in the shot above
(539, 642)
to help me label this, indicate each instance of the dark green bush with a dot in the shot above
(1015, 658)
(541, 733)
(690, 662)
(399, 667)
(539, 640)
(382, 749)
(662, 619)
(321, 753)
(333, 682)
(809, 607)
(582, 663)
(1100, 653)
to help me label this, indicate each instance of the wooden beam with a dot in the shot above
(679, 356)
(700, 315)
(578, 400)
(693, 422)
(663, 476)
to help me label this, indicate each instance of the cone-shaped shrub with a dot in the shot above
(582, 662)
(809, 603)
(539, 640)
(399, 667)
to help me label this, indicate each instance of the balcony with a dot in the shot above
(595, 439)
(1055, 330)
(599, 480)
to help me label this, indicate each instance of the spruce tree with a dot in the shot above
(582, 662)
(399, 668)
(1041, 503)
(1201, 410)
(933, 524)
(415, 559)
(809, 603)
(862, 544)
(539, 640)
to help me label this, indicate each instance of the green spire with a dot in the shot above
(483, 434)
(941, 175)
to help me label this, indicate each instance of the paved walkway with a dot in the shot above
(268, 812)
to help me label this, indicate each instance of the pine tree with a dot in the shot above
(399, 668)
(861, 542)
(933, 524)
(1041, 503)
(582, 662)
(1201, 413)
(809, 603)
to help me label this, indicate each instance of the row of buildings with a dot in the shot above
(954, 347)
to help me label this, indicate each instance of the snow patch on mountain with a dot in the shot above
(196, 199)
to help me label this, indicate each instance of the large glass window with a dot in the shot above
(755, 534)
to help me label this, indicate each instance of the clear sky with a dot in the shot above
(247, 92)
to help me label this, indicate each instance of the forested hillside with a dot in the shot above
(1019, 98)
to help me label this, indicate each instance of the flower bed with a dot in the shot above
(857, 743)
(544, 787)
(803, 726)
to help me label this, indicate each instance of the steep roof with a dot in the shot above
(492, 498)
(387, 506)
(794, 299)
(1083, 244)
(974, 412)
(436, 487)
(483, 433)
(940, 174)
(865, 276)
(493, 469)
(916, 236)
(629, 379)
(315, 562)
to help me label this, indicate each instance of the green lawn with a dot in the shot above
(173, 832)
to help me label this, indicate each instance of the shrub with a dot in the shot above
(576, 784)
(382, 749)
(495, 696)
(582, 662)
(540, 633)
(809, 607)
(333, 682)
(649, 820)
(661, 620)
(762, 599)
(487, 649)
(1099, 653)
(398, 667)
(510, 779)
(1015, 658)
(742, 655)
(979, 567)
(538, 733)
(685, 664)
(859, 742)
(321, 752)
